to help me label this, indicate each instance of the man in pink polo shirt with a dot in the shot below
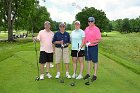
(46, 49)
(92, 38)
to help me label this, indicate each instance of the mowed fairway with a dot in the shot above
(18, 71)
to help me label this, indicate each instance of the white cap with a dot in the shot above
(46, 22)
(77, 22)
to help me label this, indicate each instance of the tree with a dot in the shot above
(34, 20)
(118, 26)
(22, 14)
(68, 27)
(39, 17)
(12, 9)
(125, 25)
(110, 27)
(55, 26)
(132, 25)
(26, 11)
(100, 18)
(137, 24)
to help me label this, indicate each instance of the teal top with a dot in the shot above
(76, 37)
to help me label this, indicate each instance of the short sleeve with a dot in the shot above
(54, 38)
(83, 33)
(98, 36)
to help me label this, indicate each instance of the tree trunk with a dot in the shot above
(10, 26)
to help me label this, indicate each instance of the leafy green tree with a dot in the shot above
(40, 16)
(113, 25)
(22, 14)
(125, 25)
(100, 18)
(137, 24)
(11, 9)
(118, 26)
(110, 27)
(68, 27)
(132, 25)
(55, 26)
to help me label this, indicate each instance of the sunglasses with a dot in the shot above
(90, 21)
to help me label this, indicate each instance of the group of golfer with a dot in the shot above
(84, 45)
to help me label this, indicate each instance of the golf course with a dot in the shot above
(118, 72)
(108, 29)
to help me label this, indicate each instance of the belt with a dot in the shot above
(60, 47)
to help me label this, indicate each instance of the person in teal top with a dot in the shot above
(77, 41)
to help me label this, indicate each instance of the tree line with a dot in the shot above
(100, 18)
(30, 16)
(125, 25)
(24, 15)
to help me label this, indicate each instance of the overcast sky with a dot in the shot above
(65, 10)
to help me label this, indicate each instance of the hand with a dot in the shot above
(87, 44)
(65, 45)
(34, 39)
(61, 42)
(62, 45)
(53, 51)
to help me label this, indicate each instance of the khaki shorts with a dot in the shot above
(58, 55)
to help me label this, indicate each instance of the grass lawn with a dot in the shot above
(123, 48)
(18, 71)
(3, 36)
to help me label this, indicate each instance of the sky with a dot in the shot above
(65, 10)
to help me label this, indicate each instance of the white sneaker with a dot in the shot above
(51, 65)
(67, 75)
(79, 76)
(74, 75)
(41, 76)
(49, 75)
(58, 75)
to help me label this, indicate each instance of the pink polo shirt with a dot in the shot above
(92, 34)
(45, 39)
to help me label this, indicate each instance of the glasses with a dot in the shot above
(90, 21)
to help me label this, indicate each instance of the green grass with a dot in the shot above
(123, 48)
(18, 70)
(3, 36)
